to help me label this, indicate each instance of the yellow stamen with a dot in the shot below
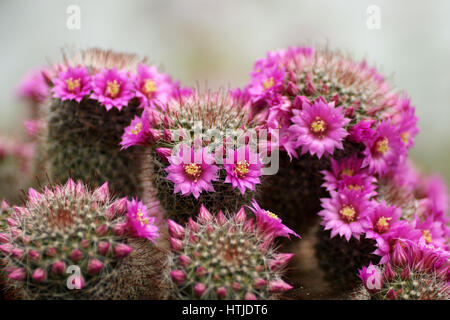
(347, 172)
(193, 170)
(427, 236)
(72, 84)
(137, 129)
(355, 187)
(141, 219)
(269, 83)
(405, 137)
(348, 213)
(112, 88)
(318, 126)
(383, 146)
(271, 214)
(383, 224)
(241, 168)
(149, 86)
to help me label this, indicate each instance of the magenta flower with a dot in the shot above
(346, 213)
(383, 219)
(152, 87)
(347, 167)
(243, 168)
(33, 86)
(361, 183)
(318, 128)
(192, 171)
(112, 88)
(433, 232)
(384, 149)
(74, 83)
(269, 223)
(371, 278)
(139, 221)
(362, 131)
(407, 123)
(266, 83)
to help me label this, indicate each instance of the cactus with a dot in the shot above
(419, 274)
(94, 97)
(292, 89)
(228, 257)
(198, 123)
(72, 243)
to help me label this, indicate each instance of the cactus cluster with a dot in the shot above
(72, 243)
(220, 257)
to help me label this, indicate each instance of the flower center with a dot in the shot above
(149, 87)
(269, 83)
(271, 214)
(348, 213)
(355, 187)
(318, 126)
(347, 172)
(241, 168)
(112, 88)
(137, 129)
(140, 217)
(405, 137)
(382, 224)
(427, 236)
(72, 84)
(193, 170)
(382, 146)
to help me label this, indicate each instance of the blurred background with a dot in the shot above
(216, 42)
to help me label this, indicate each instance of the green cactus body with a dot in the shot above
(72, 243)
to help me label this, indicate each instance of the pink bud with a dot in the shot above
(164, 153)
(120, 228)
(18, 253)
(193, 238)
(204, 215)
(76, 255)
(39, 275)
(194, 226)
(122, 250)
(292, 89)
(58, 267)
(176, 230)
(281, 260)
(178, 276)
(12, 222)
(34, 196)
(4, 205)
(200, 271)
(391, 294)
(310, 89)
(221, 219)
(199, 289)
(70, 185)
(176, 244)
(279, 286)
(240, 217)
(236, 286)
(34, 255)
(4, 238)
(94, 266)
(18, 274)
(184, 260)
(102, 230)
(388, 272)
(399, 255)
(103, 247)
(85, 243)
(221, 292)
(248, 227)
(259, 283)
(102, 193)
(167, 135)
(405, 273)
(249, 296)
(51, 252)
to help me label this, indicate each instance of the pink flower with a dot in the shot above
(383, 219)
(140, 223)
(433, 232)
(266, 83)
(371, 278)
(152, 87)
(347, 167)
(137, 133)
(33, 86)
(318, 128)
(361, 183)
(243, 168)
(384, 149)
(361, 131)
(74, 83)
(345, 213)
(112, 88)
(269, 223)
(192, 171)
(407, 123)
